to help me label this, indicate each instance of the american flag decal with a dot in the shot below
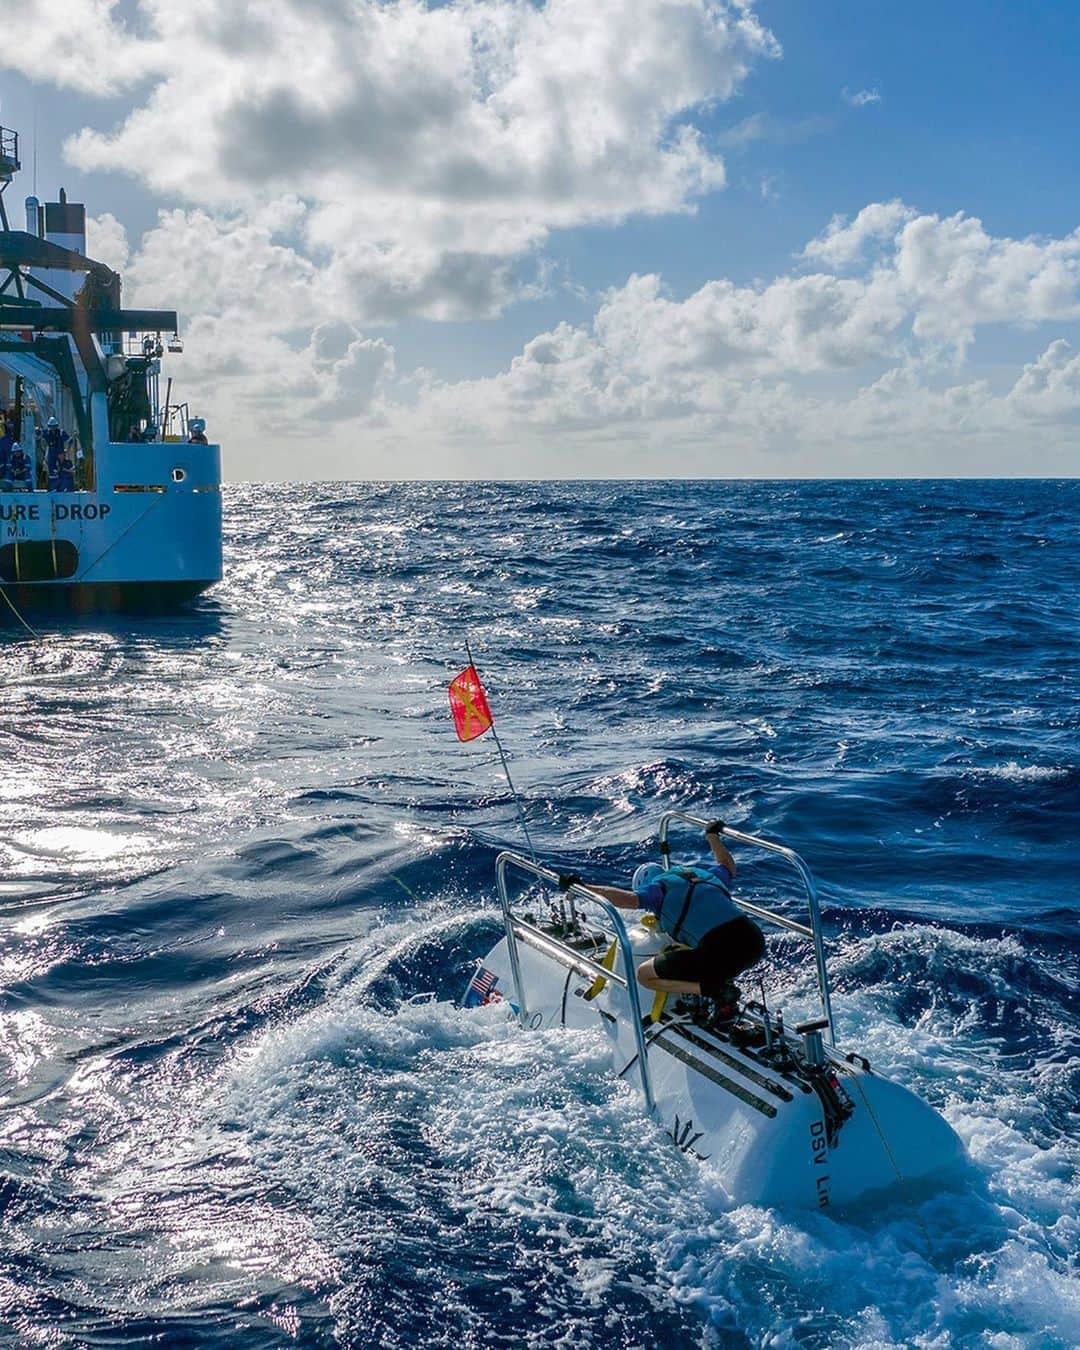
(482, 989)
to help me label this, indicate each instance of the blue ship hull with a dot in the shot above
(108, 597)
(147, 539)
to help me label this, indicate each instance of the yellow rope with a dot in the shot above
(889, 1153)
(14, 610)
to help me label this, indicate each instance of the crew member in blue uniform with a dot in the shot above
(55, 440)
(693, 906)
(65, 473)
(19, 469)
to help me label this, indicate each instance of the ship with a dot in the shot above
(781, 1114)
(110, 490)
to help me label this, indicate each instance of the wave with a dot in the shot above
(1023, 773)
(242, 849)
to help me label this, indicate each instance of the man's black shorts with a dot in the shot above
(721, 954)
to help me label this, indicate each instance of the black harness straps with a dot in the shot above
(692, 879)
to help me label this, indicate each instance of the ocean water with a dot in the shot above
(241, 845)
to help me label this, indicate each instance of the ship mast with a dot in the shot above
(9, 167)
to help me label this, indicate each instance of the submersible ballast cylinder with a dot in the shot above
(813, 1046)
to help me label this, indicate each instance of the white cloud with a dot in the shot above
(584, 417)
(729, 378)
(273, 401)
(433, 145)
(330, 165)
(808, 363)
(764, 378)
(351, 371)
(81, 45)
(958, 277)
(107, 241)
(862, 98)
(773, 130)
(795, 324)
(845, 242)
(205, 264)
(1049, 388)
(950, 275)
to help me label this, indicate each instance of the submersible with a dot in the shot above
(783, 1115)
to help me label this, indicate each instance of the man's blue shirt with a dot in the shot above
(651, 897)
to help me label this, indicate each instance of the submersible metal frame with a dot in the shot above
(521, 929)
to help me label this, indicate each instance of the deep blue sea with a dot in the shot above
(236, 843)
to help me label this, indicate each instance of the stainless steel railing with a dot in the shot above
(577, 892)
(813, 932)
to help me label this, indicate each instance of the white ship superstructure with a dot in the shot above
(110, 495)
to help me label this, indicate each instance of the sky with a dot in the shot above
(583, 238)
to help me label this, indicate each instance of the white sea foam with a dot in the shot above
(347, 1141)
(1022, 773)
(527, 1143)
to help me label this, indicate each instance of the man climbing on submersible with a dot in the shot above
(693, 906)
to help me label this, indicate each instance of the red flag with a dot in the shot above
(468, 703)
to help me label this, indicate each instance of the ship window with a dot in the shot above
(38, 560)
(178, 475)
(139, 487)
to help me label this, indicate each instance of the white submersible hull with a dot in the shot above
(784, 1119)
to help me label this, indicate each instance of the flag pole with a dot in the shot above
(517, 798)
(506, 770)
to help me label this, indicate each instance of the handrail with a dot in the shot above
(789, 855)
(584, 965)
(580, 892)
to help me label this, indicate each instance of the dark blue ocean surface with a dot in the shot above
(237, 843)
